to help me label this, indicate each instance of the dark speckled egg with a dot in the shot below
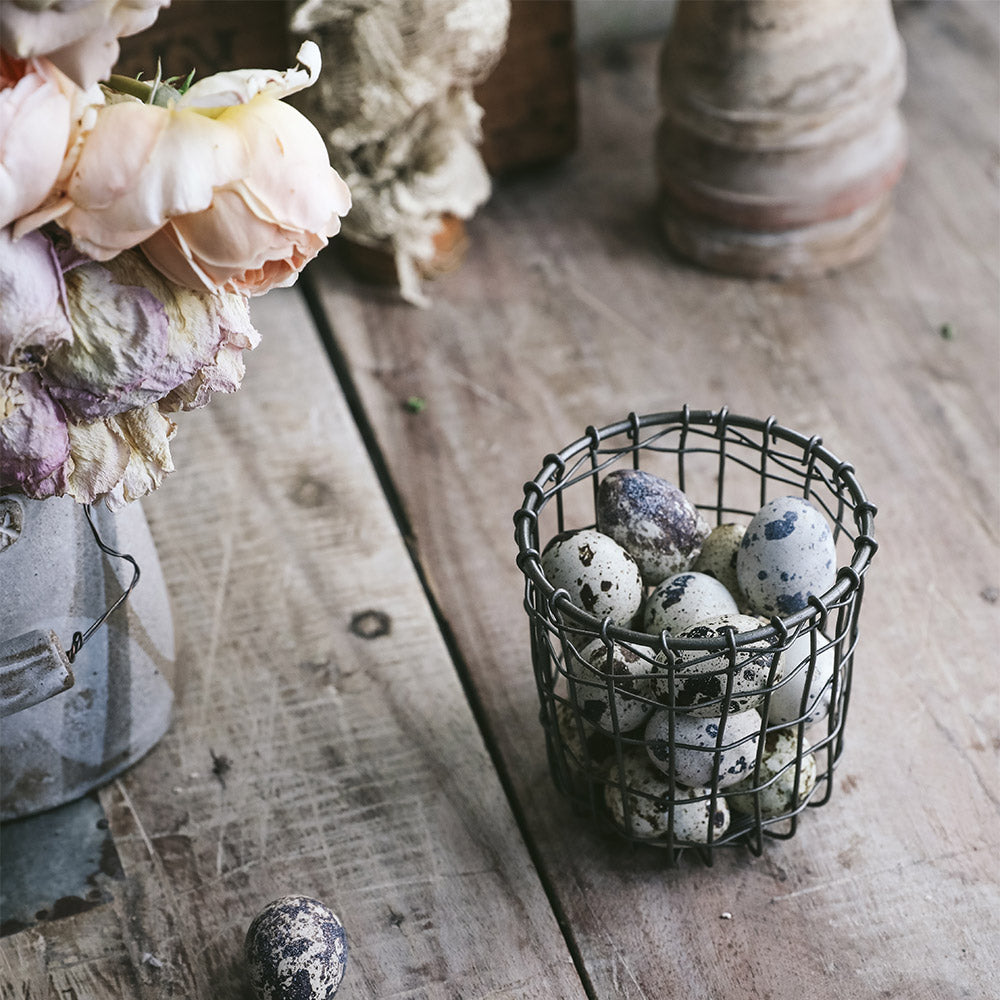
(295, 949)
(652, 520)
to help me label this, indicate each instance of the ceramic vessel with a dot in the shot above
(71, 727)
(780, 140)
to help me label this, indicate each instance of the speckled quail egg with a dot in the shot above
(584, 748)
(700, 678)
(787, 555)
(694, 819)
(786, 705)
(695, 740)
(599, 576)
(295, 949)
(776, 789)
(685, 599)
(629, 701)
(718, 558)
(653, 520)
(647, 799)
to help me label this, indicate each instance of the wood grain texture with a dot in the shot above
(308, 755)
(569, 311)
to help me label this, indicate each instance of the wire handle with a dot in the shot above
(79, 638)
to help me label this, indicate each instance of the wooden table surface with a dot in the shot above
(399, 772)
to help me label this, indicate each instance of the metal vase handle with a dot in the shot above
(34, 666)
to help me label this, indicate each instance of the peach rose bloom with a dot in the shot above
(36, 109)
(227, 189)
(80, 37)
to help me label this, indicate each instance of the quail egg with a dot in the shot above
(295, 949)
(787, 556)
(718, 557)
(585, 748)
(700, 678)
(786, 705)
(685, 599)
(696, 750)
(778, 791)
(648, 802)
(599, 576)
(653, 520)
(628, 701)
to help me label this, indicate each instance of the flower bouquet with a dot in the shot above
(136, 218)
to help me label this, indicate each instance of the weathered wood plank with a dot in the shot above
(569, 311)
(310, 753)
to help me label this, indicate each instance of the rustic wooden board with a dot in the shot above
(568, 311)
(309, 753)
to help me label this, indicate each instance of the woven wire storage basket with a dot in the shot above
(729, 466)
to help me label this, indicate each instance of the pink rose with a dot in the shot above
(78, 36)
(36, 107)
(228, 189)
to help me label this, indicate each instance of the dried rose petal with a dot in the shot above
(34, 444)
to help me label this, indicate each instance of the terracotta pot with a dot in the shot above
(71, 727)
(377, 264)
(780, 140)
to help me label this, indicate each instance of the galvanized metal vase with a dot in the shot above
(72, 718)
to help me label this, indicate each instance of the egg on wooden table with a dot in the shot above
(653, 520)
(295, 949)
(697, 749)
(787, 556)
(596, 572)
(685, 599)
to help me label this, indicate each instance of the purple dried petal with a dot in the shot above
(33, 315)
(34, 442)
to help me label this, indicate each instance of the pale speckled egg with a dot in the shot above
(694, 819)
(695, 739)
(787, 555)
(629, 700)
(647, 797)
(295, 949)
(718, 558)
(786, 704)
(653, 520)
(685, 599)
(597, 573)
(777, 790)
(700, 678)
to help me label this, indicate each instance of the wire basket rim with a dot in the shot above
(848, 577)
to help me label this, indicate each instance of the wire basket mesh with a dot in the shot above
(729, 466)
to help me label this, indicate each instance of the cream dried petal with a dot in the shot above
(243, 85)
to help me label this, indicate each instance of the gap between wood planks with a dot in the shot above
(346, 381)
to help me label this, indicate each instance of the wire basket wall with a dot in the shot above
(729, 466)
